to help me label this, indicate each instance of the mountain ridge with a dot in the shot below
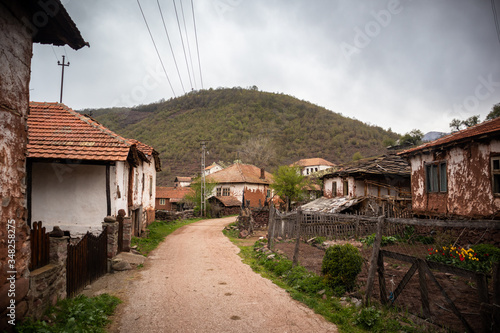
(261, 128)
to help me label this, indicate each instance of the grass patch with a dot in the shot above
(157, 231)
(313, 291)
(79, 314)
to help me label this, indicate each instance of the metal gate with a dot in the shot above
(87, 261)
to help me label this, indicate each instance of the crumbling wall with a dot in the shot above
(15, 62)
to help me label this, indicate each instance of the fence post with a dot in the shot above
(127, 234)
(374, 259)
(112, 228)
(270, 228)
(297, 235)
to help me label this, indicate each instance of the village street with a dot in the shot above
(195, 282)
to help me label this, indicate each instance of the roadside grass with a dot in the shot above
(157, 231)
(79, 314)
(311, 289)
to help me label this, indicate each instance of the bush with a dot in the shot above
(368, 317)
(386, 240)
(341, 265)
(487, 252)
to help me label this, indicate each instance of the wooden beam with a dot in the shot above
(373, 259)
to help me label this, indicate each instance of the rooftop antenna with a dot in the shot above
(62, 75)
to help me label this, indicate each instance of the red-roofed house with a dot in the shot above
(459, 174)
(214, 167)
(182, 181)
(239, 179)
(80, 171)
(170, 198)
(311, 165)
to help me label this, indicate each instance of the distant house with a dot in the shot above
(459, 174)
(182, 181)
(223, 206)
(79, 172)
(171, 198)
(311, 165)
(214, 167)
(244, 182)
(382, 176)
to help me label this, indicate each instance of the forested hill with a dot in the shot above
(261, 128)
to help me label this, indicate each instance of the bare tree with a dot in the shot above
(258, 151)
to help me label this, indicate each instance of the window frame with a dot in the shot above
(226, 191)
(495, 189)
(218, 192)
(163, 202)
(436, 177)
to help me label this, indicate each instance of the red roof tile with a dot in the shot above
(56, 131)
(311, 162)
(176, 193)
(486, 128)
(241, 173)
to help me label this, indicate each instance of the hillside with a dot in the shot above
(261, 128)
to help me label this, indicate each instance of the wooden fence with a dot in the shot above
(87, 261)
(306, 225)
(40, 246)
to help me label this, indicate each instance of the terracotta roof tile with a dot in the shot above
(312, 161)
(488, 128)
(56, 131)
(241, 173)
(228, 201)
(172, 192)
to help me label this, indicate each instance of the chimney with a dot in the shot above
(262, 173)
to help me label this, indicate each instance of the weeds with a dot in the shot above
(79, 314)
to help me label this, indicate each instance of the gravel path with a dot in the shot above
(195, 282)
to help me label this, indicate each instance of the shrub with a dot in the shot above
(368, 317)
(341, 265)
(487, 252)
(386, 240)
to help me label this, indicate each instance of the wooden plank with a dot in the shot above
(381, 279)
(451, 269)
(494, 311)
(496, 283)
(297, 242)
(424, 293)
(446, 297)
(399, 256)
(482, 291)
(480, 224)
(404, 281)
(373, 260)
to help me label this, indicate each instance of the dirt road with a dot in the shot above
(195, 282)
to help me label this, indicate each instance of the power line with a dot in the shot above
(158, 53)
(169, 43)
(495, 17)
(182, 41)
(187, 42)
(196, 38)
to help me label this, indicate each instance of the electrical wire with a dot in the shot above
(197, 49)
(183, 47)
(171, 48)
(187, 42)
(495, 17)
(158, 53)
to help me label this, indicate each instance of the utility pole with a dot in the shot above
(203, 185)
(62, 76)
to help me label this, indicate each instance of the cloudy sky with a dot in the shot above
(395, 64)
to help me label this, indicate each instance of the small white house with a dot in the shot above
(79, 172)
(214, 167)
(309, 166)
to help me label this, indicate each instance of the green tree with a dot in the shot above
(457, 124)
(414, 137)
(494, 113)
(196, 196)
(289, 184)
(357, 156)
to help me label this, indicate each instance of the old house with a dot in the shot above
(171, 198)
(459, 174)
(309, 166)
(79, 172)
(244, 182)
(182, 181)
(387, 175)
(22, 23)
(214, 167)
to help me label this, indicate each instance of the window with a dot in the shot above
(163, 202)
(150, 186)
(334, 189)
(268, 194)
(226, 192)
(495, 174)
(218, 192)
(346, 188)
(436, 178)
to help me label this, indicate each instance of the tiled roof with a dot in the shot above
(228, 201)
(484, 129)
(312, 161)
(183, 179)
(380, 165)
(56, 131)
(175, 193)
(241, 173)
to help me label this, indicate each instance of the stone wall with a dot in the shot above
(162, 215)
(48, 283)
(15, 63)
